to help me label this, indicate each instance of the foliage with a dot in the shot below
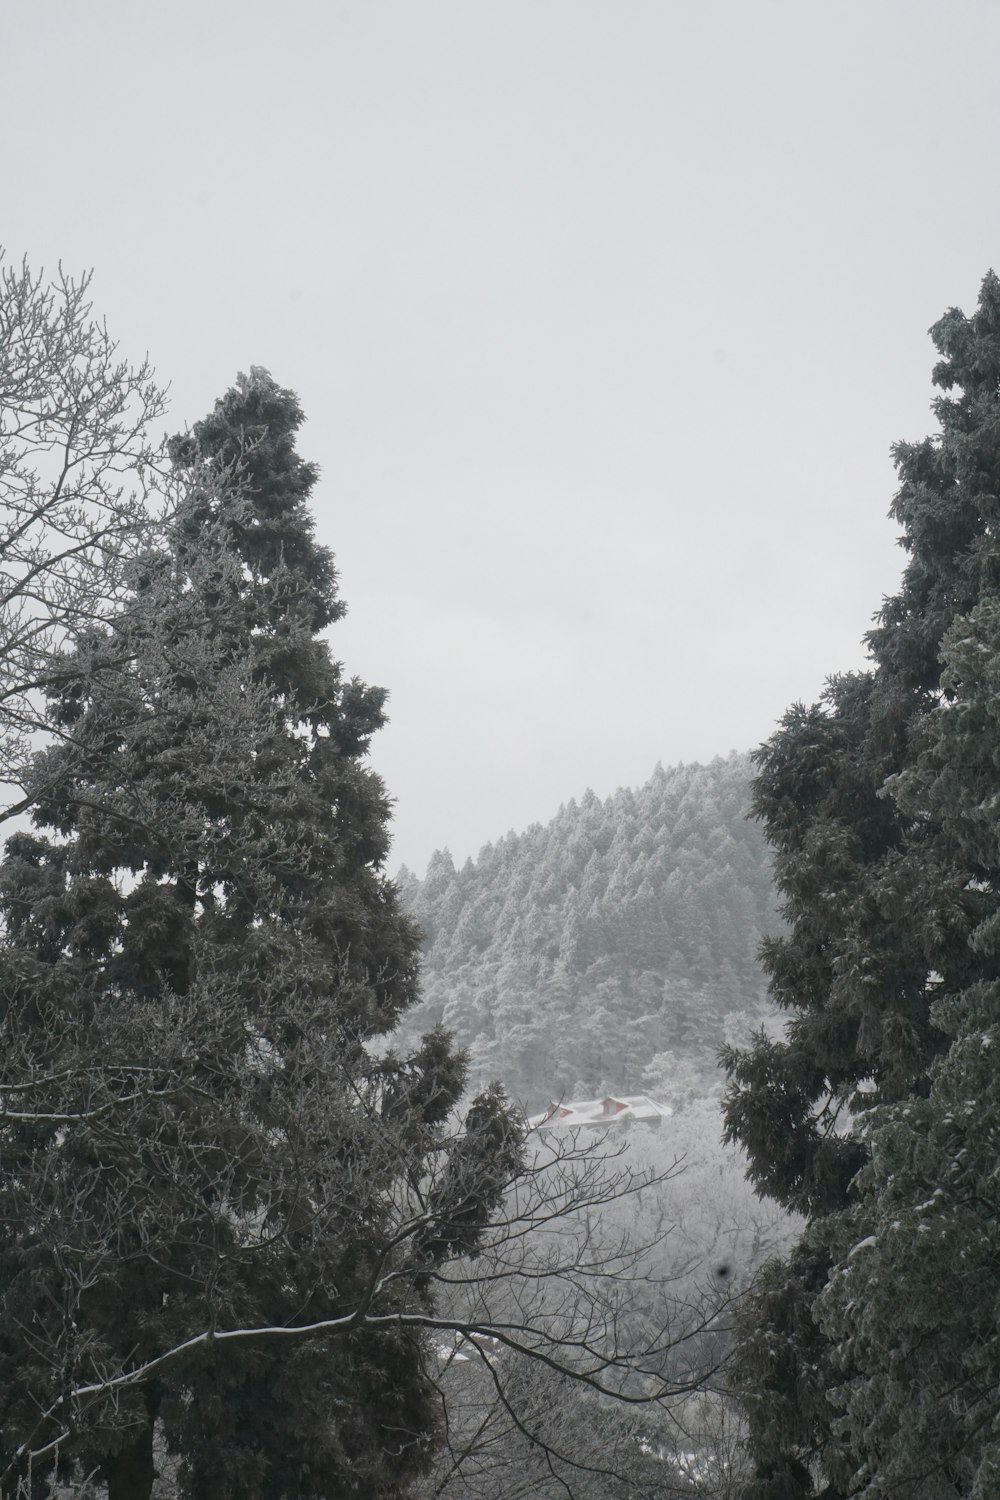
(232, 1217)
(197, 1142)
(566, 956)
(869, 1360)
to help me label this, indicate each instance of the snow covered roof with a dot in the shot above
(612, 1109)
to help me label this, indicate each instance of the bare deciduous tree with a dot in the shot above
(678, 1249)
(79, 467)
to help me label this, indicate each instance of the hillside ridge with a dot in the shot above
(619, 938)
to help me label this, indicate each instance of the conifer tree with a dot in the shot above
(202, 1153)
(869, 1361)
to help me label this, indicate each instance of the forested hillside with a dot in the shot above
(612, 948)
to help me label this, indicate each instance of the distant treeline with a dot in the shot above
(570, 958)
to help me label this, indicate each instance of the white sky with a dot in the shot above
(604, 314)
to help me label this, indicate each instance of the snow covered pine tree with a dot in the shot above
(870, 1359)
(202, 1157)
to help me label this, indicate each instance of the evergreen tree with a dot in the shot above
(199, 944)
(869, 1359)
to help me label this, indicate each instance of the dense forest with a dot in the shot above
(612, 949)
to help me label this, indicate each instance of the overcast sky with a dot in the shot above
(604, 315)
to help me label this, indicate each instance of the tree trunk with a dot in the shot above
(130, 1473)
